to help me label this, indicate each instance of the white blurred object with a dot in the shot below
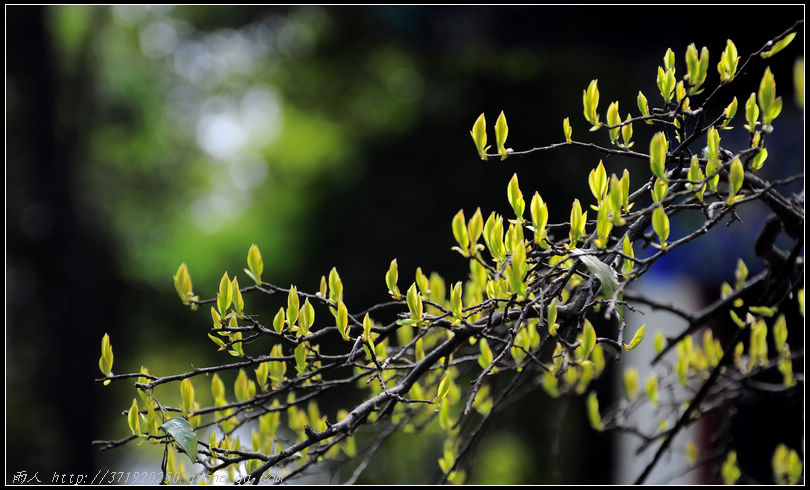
(673, 467)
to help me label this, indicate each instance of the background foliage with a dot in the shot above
(139, 138)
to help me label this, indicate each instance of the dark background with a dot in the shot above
(109, 187)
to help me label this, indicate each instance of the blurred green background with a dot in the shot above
(142, 137)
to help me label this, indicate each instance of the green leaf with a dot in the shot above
(729, 113)
(460, 231)
(517, 269)
(735, 179)
(216, 317)
(709, 348)
(704, 67)
(515, 197)
(278, 320)
(603, 225)
(756, 138)
(474, 228)
(666, 83)
(659, 342)
(493, 236)
(576, 223)
(627, 249)
(603, 272)
(134, 418)
(293, 304)
(250, 274)
(301, 358)
(455, 300)
(758, 346)
(539, 212)
(590, 102)
(770, 105)
(367, 328)
(767, 91)
(627, 132)
(479, 136)
(551, 317)
(501, 131)
(696, 67)
(692, 452)
(727, 66)
(660, 80)
(217, 341)
(105, 362)
(445, 422)
(786, 465)
(625, 182)
(588, 340)
(660, 223)
(449, 457)
(444, 388)
(759, 159)
(751, 113)
(142, 379)
(669, 59)
(658, 156)
(712, 168)
(307, 317)
(713, 144)
(643, 107)
(392, 275)
(151, 419)
(585, 377)
(630, 382)
(182, 283)
(730, 472)
(780, 333)
(550, 385)
(255, 264)
(186, 396)
(238, 301)
(680, 93)
(762, 310)
(598, 358)
(659, 190)
(225, 294)
(335, 285)
(613, 119)
(437, 287)
(736, 319)
(485, 359)
(740, 274)
(651, 388)
(567, 130)
(277, 368)
(681, 368)
(637, 338)
(342, 320)
(779, 45)
(593, 412)
(785, 366)
(240, 386)
(180, 430)
(598, 181)
(696, 175)
(414, 300)
(217, 388)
